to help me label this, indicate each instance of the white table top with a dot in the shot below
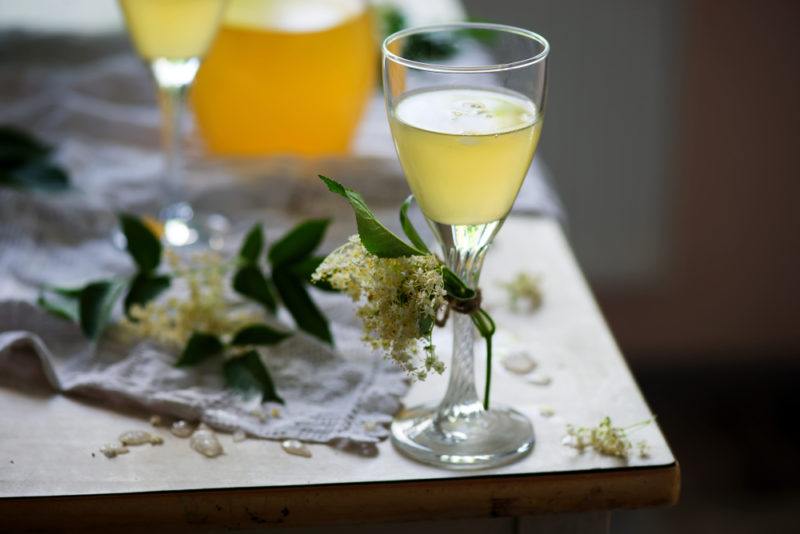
(49, 443)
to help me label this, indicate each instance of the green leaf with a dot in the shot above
(199, 348)
(142, 244)
(408, 228)
(145, 287)
(249, 281)
(455, 286)
(253, 245)
(375, 237)
(97, 301)
(248, 373)
(35, 174)
(259, 334)
(299, 303)
(305, 268)
(62, 302)
(17, 147)
(483, 322)
(298, 243)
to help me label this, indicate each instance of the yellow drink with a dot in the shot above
(286, 76)
(464, 151)
(172, 29)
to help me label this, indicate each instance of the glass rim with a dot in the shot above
(437, 67)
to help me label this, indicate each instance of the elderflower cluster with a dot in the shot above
(524, 288)
(196, 303)
(605, 439)
(395, 296)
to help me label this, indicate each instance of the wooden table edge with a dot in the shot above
(458, 498)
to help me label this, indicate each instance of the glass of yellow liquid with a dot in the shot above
(465, 130)
(172, 36)
(294, 76)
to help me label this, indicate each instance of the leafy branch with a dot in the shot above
(292, 261)
(25, 162)
(383, 243)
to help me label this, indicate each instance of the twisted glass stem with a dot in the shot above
(464, 248)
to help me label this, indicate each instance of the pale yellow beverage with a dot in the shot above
(465, 151)
(172, 29)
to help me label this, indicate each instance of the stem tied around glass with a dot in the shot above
(381, 242)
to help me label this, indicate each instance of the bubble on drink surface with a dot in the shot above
(206, 443)
(139, 437)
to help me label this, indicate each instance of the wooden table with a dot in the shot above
(52, 475)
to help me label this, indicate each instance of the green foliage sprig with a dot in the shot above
(378, 240)
(292, 261)
(25, 162)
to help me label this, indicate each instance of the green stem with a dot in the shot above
(488, 386)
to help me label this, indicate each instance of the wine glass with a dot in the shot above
(465, 129)
(172, 36)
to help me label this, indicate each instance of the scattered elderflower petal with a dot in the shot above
(370, 426)
(644, 449)
(139, 437)
(181, 429)
(239, 436)
(111, 450)
(547, 411)
(276, 413)
(200, 280)
(155, 420)
(296, 447)
(524, 288)
(258, 414)
(604, 438)
(396, 297)
(206, 443)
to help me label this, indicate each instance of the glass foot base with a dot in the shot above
(178, 226)
(183, 228)
(478, 441)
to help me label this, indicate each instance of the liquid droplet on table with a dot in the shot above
(519, 363)
(296, 447)
(112, 450)
(540, 380)
(181, 429)
(206, 443)
(139, 437)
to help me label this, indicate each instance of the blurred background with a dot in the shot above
(673, 140)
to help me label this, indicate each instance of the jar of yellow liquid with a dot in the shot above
(287, 77)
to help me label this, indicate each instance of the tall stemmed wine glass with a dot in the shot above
(173, 36)
(465, 130)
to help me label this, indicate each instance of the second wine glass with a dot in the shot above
(172, 36)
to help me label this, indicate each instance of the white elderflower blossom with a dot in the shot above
(395, 296)
(196, 303)
(606, 439)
